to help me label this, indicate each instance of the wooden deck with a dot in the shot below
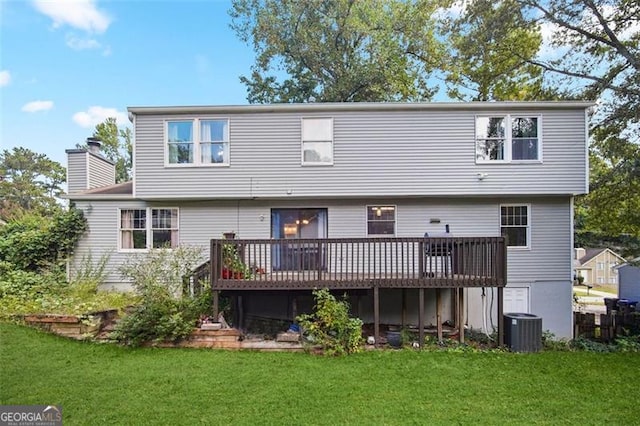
(359, 263)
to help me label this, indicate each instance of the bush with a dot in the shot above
(37, 243)
(47, 292)
(330, 325)
(164, 314)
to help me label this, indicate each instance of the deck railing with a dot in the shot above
(343, 263)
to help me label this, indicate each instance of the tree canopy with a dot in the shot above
(489, 61)
(28, 182)
(340, 50)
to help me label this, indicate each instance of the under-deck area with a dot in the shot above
(361, 264)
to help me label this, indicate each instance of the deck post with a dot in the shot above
(439, 313)
(376, 315)
(505, 244)
(294, 308)
(216, 306)
(404, 307)
(421, 317)
(500, 317)
(461, 318)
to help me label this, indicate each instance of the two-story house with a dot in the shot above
(358, 185)
(597, 266)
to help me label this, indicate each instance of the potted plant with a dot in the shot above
(232, 265)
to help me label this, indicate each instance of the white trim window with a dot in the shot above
(214, 141)
(381, 220)
(180, 142)
(508, 138)
(137, 232)
(197, 142)
(133, 229)
(317, 141)
(515, 223)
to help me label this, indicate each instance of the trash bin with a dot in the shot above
(626, 306)
(611, 304)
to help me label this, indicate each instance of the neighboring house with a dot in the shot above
(629, 280)
(597, 265)
(289, 179)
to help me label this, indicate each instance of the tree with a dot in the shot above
(29, 182)
(488, 61)
(339, 51)
(599, 42)
(116, 146)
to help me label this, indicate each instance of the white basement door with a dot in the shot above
(516, 299)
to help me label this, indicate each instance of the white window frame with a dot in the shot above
(302, 142)
(508, 139)
(381, 206)
(197, 143)
(148, 228)
(121, 229)
(528, 226)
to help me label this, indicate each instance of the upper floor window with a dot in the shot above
(317, 141)
(381, 220)
(515, 225)
(137, 232)
(508, 138)
(198, 142)
(180, 142)
(214, 141)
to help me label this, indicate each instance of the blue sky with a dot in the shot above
(67, 65)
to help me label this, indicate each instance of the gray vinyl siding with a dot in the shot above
(101, 172)
(76, 172)
(376, 153)
(548, 259)
(101, 238)
(550, 253)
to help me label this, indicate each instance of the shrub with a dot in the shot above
(36, 243)
(164, 313)
(330, 325)
(47, 292)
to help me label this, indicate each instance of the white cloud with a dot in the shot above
(97, 114)
(36, 106)
(77, 43)
(81, 14)
(5, 78)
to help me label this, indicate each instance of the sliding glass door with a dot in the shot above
(295, 224)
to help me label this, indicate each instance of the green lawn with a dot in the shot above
(105, 384)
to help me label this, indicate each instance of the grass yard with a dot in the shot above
(106, 384)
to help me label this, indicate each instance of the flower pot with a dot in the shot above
(394, 339)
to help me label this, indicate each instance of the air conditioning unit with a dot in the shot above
(523, 332)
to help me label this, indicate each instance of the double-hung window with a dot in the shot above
(515, 224)
(214, 141)
(133, 229)
(180, 142)
(198, 142)
(381, 220)
(143, 229)
(317, 141)
(508, 138)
